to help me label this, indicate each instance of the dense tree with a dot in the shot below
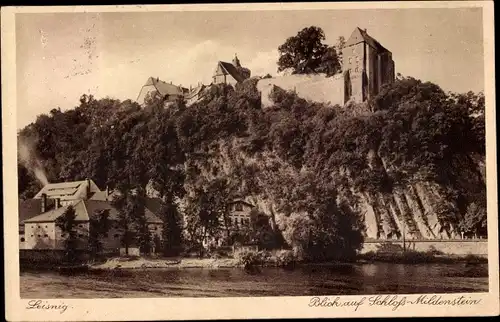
(306, 53)
(172, 230)
(99, 225)
(67, 224)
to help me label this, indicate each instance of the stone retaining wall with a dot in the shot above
(452, 247)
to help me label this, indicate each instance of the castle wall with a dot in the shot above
(317, 87)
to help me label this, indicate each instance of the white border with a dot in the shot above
(229, 308)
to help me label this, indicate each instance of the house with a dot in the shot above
(239, 218)
(38, 216)
(239, 214)
(367, 66)
(158, 89)
(230, 73)
(195, 94)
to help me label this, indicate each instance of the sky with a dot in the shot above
(60, 56)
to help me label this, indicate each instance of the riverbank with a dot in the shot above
(211, 263)
(145, 263)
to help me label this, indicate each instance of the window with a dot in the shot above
(238, 207)
(39, 236)
(356, 69)
(350, 60)
(80, 235)
(31, 235)
(45, 235)
(22, 239)
(80, 225)
(116, 236)
(63, 235)
(45, 226)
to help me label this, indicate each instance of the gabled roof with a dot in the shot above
(67, 190)
(241, 201)
(164, 88)
(31, 208)
(53, 214)
(359, 35)
(230, 69)
(86, 209)
(195, 91)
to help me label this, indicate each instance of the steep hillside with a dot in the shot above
(411, 159)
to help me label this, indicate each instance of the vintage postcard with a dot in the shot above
(246, 161)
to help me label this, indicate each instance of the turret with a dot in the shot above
(236, 61)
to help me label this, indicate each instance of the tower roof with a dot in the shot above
(236, 61)
(359, 35)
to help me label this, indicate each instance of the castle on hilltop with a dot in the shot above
(366, 67)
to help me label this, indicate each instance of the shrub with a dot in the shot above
(249, 258)
(285, 258)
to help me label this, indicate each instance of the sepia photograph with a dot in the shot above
(246, 153)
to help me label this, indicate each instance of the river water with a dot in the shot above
(378, 278)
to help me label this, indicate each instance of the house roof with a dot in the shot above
(359, 35)
(164, 88)
(232, 70)
(53, 214)
(241, 201)
(67, 190)
(31, 208)
(86, 209)
(195, 91)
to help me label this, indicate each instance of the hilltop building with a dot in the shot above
(37, 216)
(230, 73)
(366, 64)
(158, 89)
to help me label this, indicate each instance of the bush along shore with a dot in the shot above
(285, 259)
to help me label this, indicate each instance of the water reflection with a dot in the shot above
(317, 280)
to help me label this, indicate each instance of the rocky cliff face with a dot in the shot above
(419, 210)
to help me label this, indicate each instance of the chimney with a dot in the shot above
(107, 193)
(58, 203)
(44, 203)
(364, 30)
(157, 79)
(88, 188)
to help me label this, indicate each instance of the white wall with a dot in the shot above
(318, 88)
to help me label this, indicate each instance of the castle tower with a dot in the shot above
(367, 66)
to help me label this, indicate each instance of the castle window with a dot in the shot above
(45, 235)
(22, 239)
(350, 60)
(238, 207)
(356, 70)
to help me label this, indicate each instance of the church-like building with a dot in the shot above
(230, 73)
